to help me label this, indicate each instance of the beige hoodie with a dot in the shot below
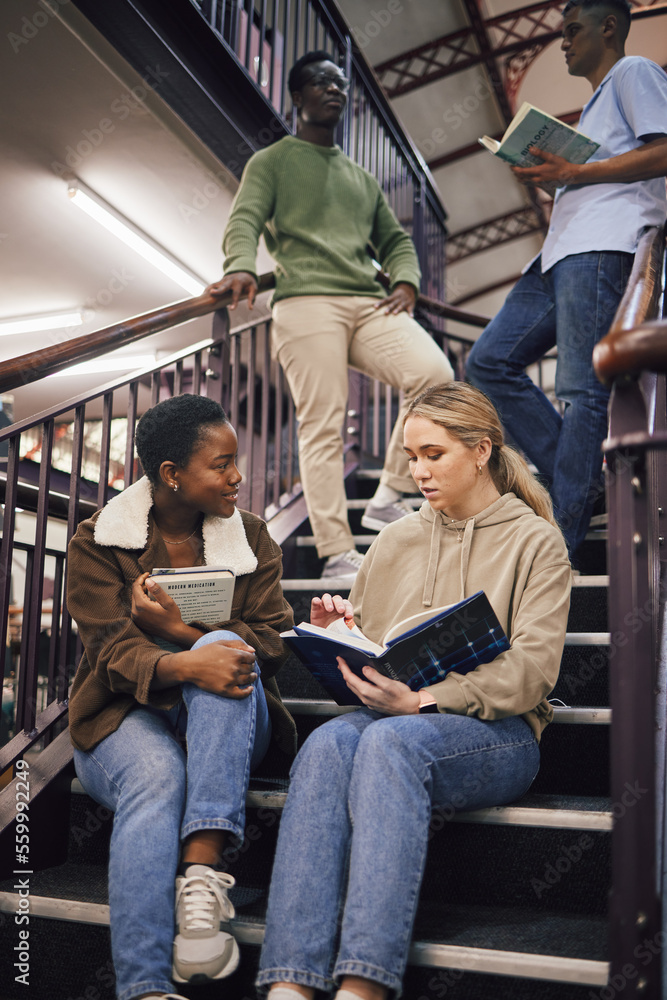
(518, 559)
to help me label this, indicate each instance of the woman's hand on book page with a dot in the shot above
(379, 692)
(327, 609)
(554, 170)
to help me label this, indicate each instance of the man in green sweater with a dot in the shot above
(318, 212)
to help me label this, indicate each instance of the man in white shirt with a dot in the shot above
(568, 295)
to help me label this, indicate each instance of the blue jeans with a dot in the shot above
(355, 829)
(159, 796)
(571, 307)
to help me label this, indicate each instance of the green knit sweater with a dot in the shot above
(318, 211)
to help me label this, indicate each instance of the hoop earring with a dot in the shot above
(175, 487)
(479, 469)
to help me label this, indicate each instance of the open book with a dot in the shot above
(532, 127)
(419, 650)
(203, 593)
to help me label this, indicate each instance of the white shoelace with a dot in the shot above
(201, 896)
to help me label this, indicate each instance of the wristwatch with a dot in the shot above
(427, 704)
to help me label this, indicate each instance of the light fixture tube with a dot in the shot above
(32, 324)
(133, 237)
(109, 364)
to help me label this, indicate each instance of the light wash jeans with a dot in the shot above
(571, 307)
(159, 796)
(355, 829)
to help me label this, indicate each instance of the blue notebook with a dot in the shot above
(425, 650)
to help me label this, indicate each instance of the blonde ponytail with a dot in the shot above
(466, 413)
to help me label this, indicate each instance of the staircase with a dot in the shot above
(514, 900)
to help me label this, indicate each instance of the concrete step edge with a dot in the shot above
(316, 583)
(525, 815)
(524, 965)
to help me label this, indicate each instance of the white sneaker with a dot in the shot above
(343, 567)
(204, 947)
(378, 516)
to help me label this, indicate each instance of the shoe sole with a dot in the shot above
(374, 523)
(201, 977)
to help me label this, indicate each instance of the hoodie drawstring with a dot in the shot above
(434, 556)
(465, 554)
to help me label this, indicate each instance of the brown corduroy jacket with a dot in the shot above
(118, 663)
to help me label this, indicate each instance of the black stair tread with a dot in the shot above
(501, 928)
(87, 883)
(71, 880)
(514, 929)
(504, 928)
(538, 801)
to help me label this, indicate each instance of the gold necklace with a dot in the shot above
(459, 531)
(183, 540)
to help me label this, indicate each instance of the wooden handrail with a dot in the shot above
(38, 364)
(637, 341)
(452, 312)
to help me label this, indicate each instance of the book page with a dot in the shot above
(340, 628)
(347, 636)
(413, 620)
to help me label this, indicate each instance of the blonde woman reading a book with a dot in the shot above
(354, 833)
(148, 680)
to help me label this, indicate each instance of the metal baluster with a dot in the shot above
(290, 475)
(178, 379)
(263, 456)
(32, 621)
(278, 425)
(72, 524)
(248, 34)
(196, 373)
(54, 641)
(128, 477)
(250, 418)
(105, 445)
(8, 526)
(155, 388)
(235, 380)
(287, 12)
(274, 56)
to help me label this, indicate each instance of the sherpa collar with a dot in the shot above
(123, 523)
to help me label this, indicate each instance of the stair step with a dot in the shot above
(587, 638)
(318, 584)
(548, 811)
(545, 811)
(562, 713)
(489, 924)
(415, 502)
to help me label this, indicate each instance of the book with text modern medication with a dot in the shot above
(202, 593)
(532, 127)
(420, 650)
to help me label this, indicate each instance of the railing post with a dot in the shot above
(634, 905)
(419, 227)
(219, 356)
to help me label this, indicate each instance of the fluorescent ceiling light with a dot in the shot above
(133, 237)
(32, 324)
(109, 364)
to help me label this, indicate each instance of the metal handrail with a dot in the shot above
(632, 344)
(36, 365)
(636, 346)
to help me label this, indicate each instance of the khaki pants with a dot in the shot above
(315, 338)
